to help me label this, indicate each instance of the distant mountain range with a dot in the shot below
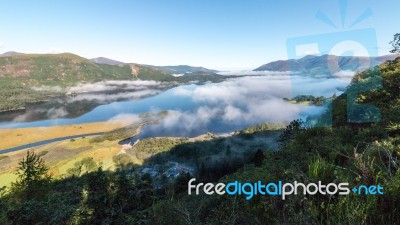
(107, 61)
(183, 69)
(325, 63)
(5, 54)
(179, 69)
(69, 69)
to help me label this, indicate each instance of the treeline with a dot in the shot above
(13, 97)
(310, 98)
(97, 197)
(89, 195)
(151, 146)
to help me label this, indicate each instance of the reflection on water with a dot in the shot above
(70, 106)
(192, 109)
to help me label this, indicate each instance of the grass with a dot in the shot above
(7, 178)
(22, 136)
(61, 156)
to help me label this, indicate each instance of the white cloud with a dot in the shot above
(255, 73)
(112, 85)
(250, 100)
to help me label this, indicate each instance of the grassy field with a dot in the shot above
(21, 136)
(61, 156)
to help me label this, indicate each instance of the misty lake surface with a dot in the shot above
(196, 109)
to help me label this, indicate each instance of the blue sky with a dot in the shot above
(218, 34)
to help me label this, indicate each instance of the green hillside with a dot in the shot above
(356, 153)
(21, 73)
(22, 76)
(68, 69)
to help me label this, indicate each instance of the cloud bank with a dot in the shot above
(246, 101)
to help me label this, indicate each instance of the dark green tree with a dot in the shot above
(99, 198)
(291, 130)
(228, 150)
(258, 158)
(396, 43)
(33, 176)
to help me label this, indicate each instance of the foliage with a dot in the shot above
(32, 174)
(353, 152)
(117, 134)
(309, 98)
(395, 43)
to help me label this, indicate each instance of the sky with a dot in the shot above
(217, 34)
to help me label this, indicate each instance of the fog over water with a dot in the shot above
(193, 109)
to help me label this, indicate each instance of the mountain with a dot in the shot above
(107, 61)
(69, 69)
(325, 63)
(26, 78)
(11, 53)
(183, 69)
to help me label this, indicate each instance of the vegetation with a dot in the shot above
(22, 136)
(361, 152)
(119, 134)
(396, 43)
(22, 72)
(17, 97)
(265, 127)
(309, 99)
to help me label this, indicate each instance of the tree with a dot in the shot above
(291, 130)
(258, 158)
(87, 164)
(99, 198)
(32, 174)
(121, 160)
(228, 150)
(396, 43)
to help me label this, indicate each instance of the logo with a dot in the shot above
(249, 190)
(334, 46)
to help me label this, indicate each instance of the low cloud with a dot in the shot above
(112, 85)
(255, 73)
(344, 75)
(48, 88)
(249, 100)
(101, 97)
(246, 101)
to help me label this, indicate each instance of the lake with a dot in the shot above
(194, 109)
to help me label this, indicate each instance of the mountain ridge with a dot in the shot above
(325, 63)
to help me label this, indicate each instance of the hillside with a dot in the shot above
(351, 152)
(321, 64)
(68, 69)
(29, 78)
